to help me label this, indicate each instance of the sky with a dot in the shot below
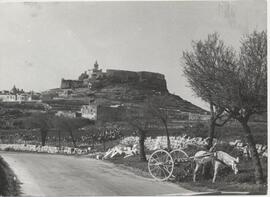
(41, 43)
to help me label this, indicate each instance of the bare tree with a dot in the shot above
(200, 68)
(158, 107)
(238, 85)
(42, 121)
(70, 125)
(141, 120)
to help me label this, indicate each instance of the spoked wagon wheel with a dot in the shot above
(160, 165)
(182, 164)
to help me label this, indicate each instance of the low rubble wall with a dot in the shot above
(159, 142)
(42, 149)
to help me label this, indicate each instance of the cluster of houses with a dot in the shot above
(95, 112)
(87, 111)
(17, 95)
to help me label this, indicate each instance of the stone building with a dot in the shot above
(95, 112)
(199, 117)
(187, 116)
(65, 93)
(5, 97)
(15, 95)
(95, 73)
(71, 84)
(89, 111)
(67, 114)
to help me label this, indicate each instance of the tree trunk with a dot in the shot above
(72, 137)
(254, 154)
(211, 133)
(211, 127)
(93, 143)
(141, 143)
(59, 138)
(104, 145)
(43, 133)
(207, 167)
(168, 136)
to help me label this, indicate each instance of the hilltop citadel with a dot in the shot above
(95, 75)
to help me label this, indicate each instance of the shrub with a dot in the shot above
(9, 149)
(9, 184)
(244, 178)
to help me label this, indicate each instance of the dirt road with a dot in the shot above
(59, 175)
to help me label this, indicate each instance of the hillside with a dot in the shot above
(116, 89)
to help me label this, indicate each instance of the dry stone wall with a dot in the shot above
(150, 143)
(183, 141)
(42, 149)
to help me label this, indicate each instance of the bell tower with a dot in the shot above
(96, 72)
(96, 66)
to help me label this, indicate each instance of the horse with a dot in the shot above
(217, 158)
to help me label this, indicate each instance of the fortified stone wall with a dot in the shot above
(71, 84)
(149, 75)
(122, 75)
(145, 79)
(136, 76)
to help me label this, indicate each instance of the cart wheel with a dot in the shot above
(182, 164)
(160, 165)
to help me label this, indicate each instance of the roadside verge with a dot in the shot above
(9, 183)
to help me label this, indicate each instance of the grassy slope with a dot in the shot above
(9, 184)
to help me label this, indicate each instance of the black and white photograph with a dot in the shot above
(133, 98)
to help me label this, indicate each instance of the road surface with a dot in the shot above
(59, 175)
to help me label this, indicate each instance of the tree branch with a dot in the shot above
(224, 122)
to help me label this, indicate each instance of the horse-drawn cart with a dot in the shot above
(163, 165)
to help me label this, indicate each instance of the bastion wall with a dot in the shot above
(148, 79)
(71, 84)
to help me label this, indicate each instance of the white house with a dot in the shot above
(89, 112)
